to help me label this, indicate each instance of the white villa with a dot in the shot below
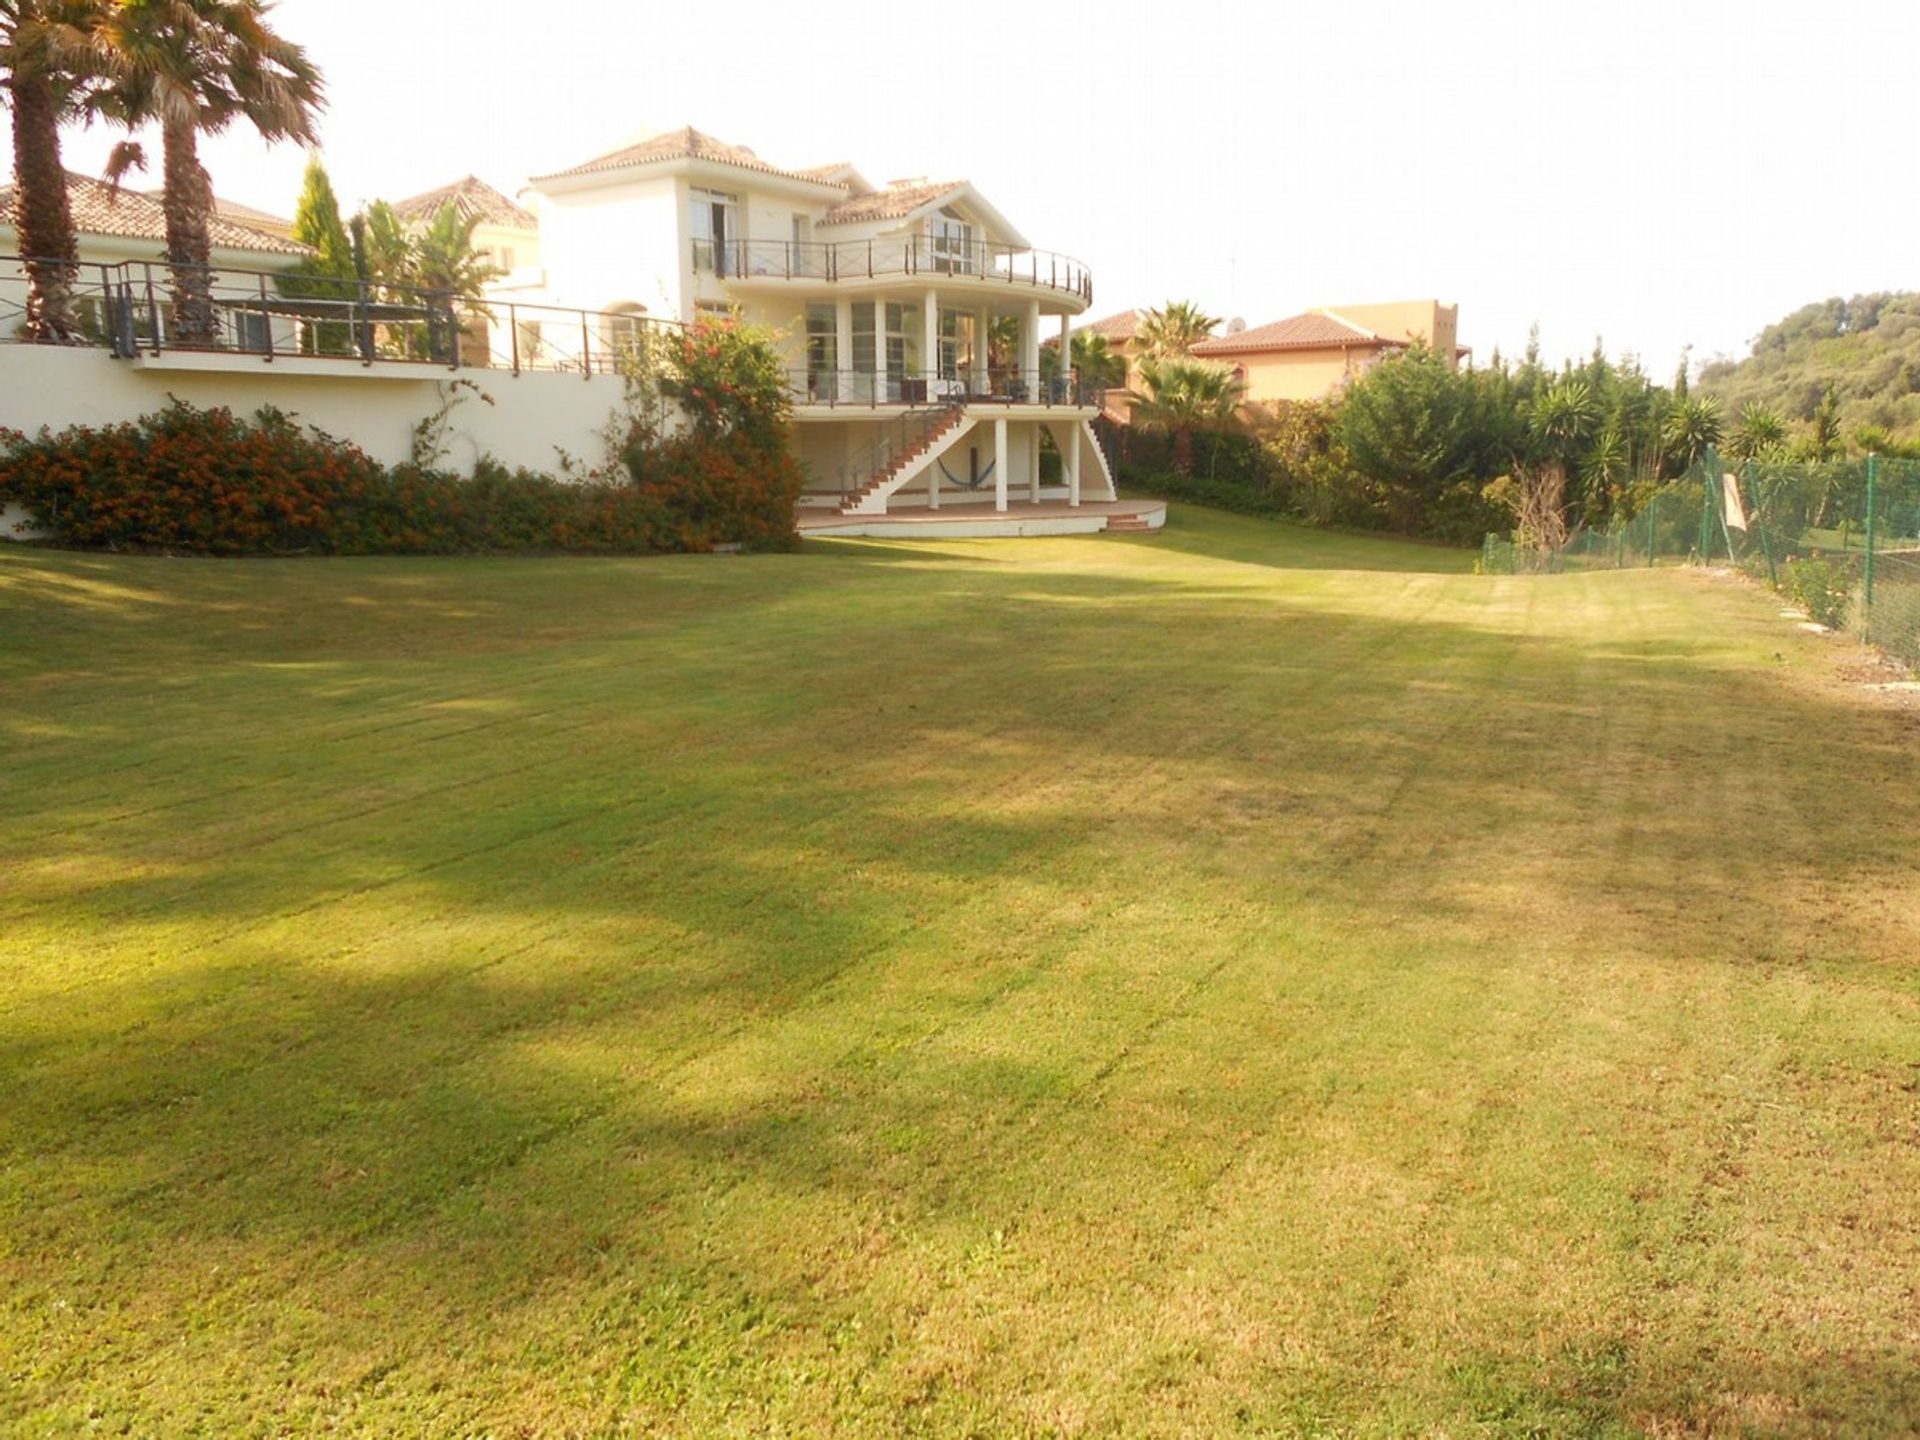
(912, 312)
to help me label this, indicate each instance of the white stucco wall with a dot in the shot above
(615, 246)
(531, 417)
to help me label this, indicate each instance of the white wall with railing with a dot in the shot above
(525, 419)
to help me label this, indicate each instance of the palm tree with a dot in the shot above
(194, 67)
(1094, 361)
(44, 64)
(1173, 330)
(1182, 396)
(1099, 364)
(444, 257)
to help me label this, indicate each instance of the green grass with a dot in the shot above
(1242, 981)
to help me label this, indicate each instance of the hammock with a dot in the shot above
(973, 484)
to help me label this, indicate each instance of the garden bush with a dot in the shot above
(1820, 587)
(210, 482)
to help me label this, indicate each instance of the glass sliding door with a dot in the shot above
(865, 363)
(712, 220)
(823, 343)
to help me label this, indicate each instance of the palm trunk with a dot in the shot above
(1183, 452)
(189, 205)
(42, 217)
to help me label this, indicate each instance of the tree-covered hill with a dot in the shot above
(1867, 348)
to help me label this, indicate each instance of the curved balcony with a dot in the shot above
(891, 256)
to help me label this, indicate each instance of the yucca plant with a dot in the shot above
(1690, 426)
(1758, 432)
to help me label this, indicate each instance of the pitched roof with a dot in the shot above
(686, 143)
(245, 214)
(99, 209)
(890, 203)
(1113, 327)
(1315, 330)
(472, 198)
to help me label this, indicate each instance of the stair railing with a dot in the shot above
(899, 440)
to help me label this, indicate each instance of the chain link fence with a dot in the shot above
(1841, 538)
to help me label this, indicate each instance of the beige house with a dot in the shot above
(1315, 355)
(504, 233)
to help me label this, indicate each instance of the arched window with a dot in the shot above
(623, 325)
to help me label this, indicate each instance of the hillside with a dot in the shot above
(1868, 348)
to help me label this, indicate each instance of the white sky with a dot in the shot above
(1653, 173)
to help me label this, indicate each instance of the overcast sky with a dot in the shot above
(1656, 174)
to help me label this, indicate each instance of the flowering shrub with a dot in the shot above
(720, 491)
(731, 475)
(188, 479)
(209, 482)
(728, 380)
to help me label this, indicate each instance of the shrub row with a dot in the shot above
(210, 482)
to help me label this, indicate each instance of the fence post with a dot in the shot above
(1709, 464)
(1760, 521)
(1873, 486)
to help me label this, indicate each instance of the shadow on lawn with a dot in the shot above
(482, 1041)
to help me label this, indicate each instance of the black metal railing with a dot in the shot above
(922, 255)
(138, 308)
(993, 385)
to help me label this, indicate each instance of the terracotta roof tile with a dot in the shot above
(888, 204)
(472, 198)
(1113, 327)
(99, 209)
(685, 143)
(1312, 331)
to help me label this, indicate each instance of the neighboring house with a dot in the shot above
(242, 214)
(887, 297)
(123, 237)
(1313, 356)
(505, 232)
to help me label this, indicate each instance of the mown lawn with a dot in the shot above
(1242, 981)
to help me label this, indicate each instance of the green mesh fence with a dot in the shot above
(1844, 534)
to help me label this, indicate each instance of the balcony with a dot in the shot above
(925, 256)
(1002, 385)
(309, 324)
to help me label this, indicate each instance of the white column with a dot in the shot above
(1066, 353)
(1070, 461)
(930, 337)
(1000, 463)
(843, 347)
(982, 323)
(1033, 460)
(933, 486)
(1030, 345)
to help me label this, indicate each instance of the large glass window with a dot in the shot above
(952, 244)
(713, 223)
(864, 363)
(823, 344)
(903, 346)
(956, 342)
